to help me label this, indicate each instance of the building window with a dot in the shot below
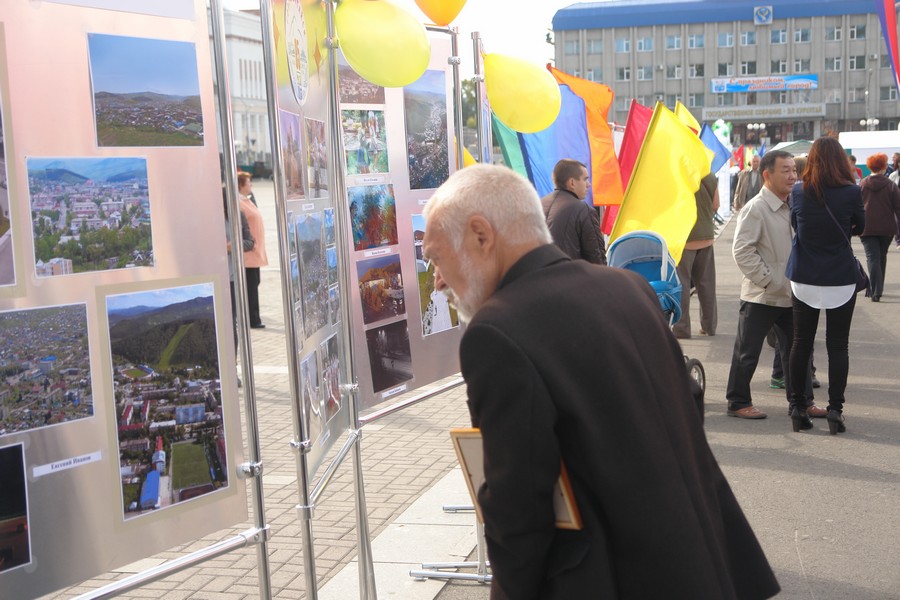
(779, 36)
(856, 95)
(726, 70)
(645, 73)
(802, 36)
(645, 44)
(672, 100)
(673, 72)
(778, 97)
(779, 66)
(856, 32)
(801, 96)
(591, 75)
(623, 45)
(673, 42)
(857, 63)
(622, 103)
(748, 67)
(696, 100)
(724, 99)
(750, 98)
(833, 96)
(576, 72)
(887, 93)
(726, 40)
(571, 47)
(696, 70)
(833, 63)
(595, 46)
(696, 40)
(623, 74)
(884, 61)
(642, 100)
(801, 65)
(748, 38)
(833, 34)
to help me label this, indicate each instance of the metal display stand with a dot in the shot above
(481, 566)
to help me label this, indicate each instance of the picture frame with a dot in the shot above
(470, 452)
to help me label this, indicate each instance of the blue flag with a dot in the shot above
(762, 149)
(721, 154)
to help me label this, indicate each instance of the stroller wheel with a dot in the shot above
(696, 371)
(698, 382)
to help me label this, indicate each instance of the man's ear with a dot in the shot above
(482, 232)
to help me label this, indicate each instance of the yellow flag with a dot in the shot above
(468, 159)
(660, 196)
(685, 116)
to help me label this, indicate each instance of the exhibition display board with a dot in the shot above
(399, 147)
(119, 421)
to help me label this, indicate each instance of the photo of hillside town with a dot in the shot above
(425, 101)
(89, 214)
(146, 91)
(168, 396)
(356, 90)
(45, 368)
(7, 262)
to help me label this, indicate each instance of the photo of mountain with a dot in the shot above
(165, 360)
(425, 101)
(89, 214)
(146, 92)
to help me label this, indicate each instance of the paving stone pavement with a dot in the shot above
(826, 509)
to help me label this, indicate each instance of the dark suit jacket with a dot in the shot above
(820, 254)
(575, 226)
(572, 361)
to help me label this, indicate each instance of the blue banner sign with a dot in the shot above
(773, 83)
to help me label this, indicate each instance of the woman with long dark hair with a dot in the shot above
(826, 209)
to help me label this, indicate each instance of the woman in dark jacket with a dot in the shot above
(826, 209)
(881, 198)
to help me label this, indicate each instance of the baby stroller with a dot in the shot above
(646, 253)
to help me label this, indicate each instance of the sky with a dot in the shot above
(132, 64)
(512, 27)
(156, 298)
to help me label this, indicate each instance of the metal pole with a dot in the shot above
(454, 61)
(342, 212)
(237, 258)
(301, 430)
(483, 129)
(251, 536)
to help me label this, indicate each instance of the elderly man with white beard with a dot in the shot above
(572, 363)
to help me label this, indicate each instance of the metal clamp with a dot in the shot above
(305, 512)
(258, 536)
(454, 60)
(332, 42)
(349, 388)
(303, 447)
(249, 470)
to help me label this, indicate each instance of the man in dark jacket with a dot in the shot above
(573, 224)
(572, 363)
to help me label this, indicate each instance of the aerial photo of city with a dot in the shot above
(168, 396)
(146, 91)
(89, 214)
(45, 366)
(7, 264)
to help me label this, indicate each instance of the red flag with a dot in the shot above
(738, 157)
(635, 129)
(605, 181)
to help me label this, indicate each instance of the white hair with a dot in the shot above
(506, 199)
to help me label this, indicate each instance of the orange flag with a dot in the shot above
(606, 180)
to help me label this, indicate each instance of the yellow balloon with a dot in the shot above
(383, 43)
(524, 97)
(441, 12)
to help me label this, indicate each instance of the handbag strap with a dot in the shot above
(831, 214)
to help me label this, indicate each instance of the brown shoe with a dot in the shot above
(748, 412)
(817, 413)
